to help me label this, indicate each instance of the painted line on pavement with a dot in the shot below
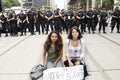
(4, 52)
(100, 68)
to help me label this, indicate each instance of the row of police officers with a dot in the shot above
(59, 21)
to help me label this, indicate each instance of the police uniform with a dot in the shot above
(49, 14)
(69, 18)
(80, 19)
(102, 23)
(57, 21)
(31, 16)
(5, 26)
(90, 20)
(116, 20)
(13, 27)
(63, 23)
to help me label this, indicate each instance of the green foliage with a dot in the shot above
(9, 3)
(105, 3)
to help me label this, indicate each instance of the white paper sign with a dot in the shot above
(64, 73)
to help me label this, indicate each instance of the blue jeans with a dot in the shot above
(49, 64)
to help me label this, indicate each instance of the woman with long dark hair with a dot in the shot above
(53, 50)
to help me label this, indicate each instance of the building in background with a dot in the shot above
(37, 3)
(33, 3)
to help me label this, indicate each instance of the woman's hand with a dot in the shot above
(55, 64)
(77, 63)
(71, 64)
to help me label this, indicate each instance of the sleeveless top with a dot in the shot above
(52, 55)
(75, 51)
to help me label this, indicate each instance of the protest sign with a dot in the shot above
(64, 73)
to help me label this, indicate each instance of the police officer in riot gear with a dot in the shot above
(57, 21)
(116, 20)
(95, 18)
(90, 20)
(102, 17)
(12, 22)
(49, 20)
(39, 22)
(80, 19)
(30, 20)
(69, 16)
(22, 22)
(62, 17)
(3, 21)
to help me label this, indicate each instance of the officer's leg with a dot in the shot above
(42, 26)
(100, 25)
(38, 27)
(51, 25)
(47, 27)
(104, 23)
(55, 25)
(14, 29)
(82, 27)
(24, 27)
(113, 25)
(67, 24)
(21, 28)
(118, 26)
(32, 27)
(88, 24)
(78, 23)
(60, 26)
(92, 25)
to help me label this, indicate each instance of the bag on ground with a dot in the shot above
(36, 72)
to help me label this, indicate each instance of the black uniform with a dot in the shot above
(63, 23)
(116, 20)
(95, 19)
(40, 22)
(80, 19)
(49, 14)
(69, 15)
(22, 23)
(13, 27)
(5, 27)
(57, 21)
(90, 20)
(31, 16)
(103, 18)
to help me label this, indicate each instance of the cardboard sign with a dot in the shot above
(64, 73)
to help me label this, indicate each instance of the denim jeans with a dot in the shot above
(49, 64)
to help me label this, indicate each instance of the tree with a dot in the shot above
(9, 3)
(105, 3)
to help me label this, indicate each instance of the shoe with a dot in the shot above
(89, 32)
(104, 32)
(21, 35)
(93, 32)
(6, 35)
(118, 32)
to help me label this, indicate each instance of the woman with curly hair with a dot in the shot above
(53, 51)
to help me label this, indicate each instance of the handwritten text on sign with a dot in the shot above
(64, 73)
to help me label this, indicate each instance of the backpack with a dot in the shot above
(36, 72)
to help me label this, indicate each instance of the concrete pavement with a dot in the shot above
(102, 57)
